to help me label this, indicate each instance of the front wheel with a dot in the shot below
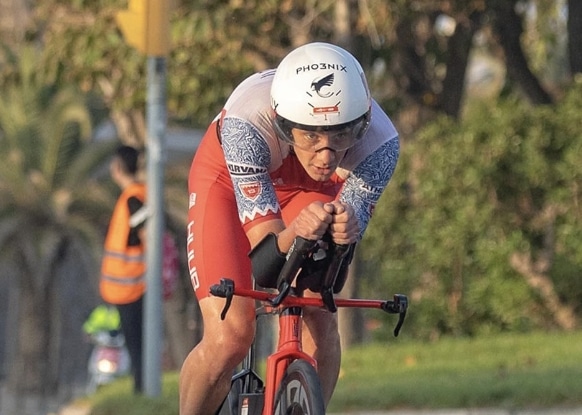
(300, 392)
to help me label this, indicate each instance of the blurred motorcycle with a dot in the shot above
(109, 359)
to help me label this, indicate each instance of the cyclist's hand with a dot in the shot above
(313, 220)
(344, 228)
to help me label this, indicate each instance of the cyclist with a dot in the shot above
(302, 150)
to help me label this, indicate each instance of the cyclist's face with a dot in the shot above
(315, 152)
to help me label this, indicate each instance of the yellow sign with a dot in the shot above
(145, 26)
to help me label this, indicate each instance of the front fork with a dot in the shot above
(288, 350)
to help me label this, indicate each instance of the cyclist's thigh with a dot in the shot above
(217, 245)
(218, 249)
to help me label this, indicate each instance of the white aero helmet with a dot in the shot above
(321, 87)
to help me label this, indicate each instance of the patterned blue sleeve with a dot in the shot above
(365, 184)
(248, 157)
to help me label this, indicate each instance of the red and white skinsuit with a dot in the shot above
(243, 174)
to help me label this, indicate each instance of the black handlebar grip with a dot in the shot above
(217, 290)
(224, 289)
(295, 257)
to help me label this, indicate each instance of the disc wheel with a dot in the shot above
(300, 391)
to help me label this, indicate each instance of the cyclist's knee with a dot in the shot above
(235, 344)
(235, 331)
(222, 352)
(226, 342)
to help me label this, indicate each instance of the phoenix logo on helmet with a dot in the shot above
(322, 82)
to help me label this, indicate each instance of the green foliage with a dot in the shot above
(47, 154)
(86, 48)
(205, 64)
(465, 198)
(214, 45)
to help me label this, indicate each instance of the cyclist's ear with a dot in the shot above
(267, 261)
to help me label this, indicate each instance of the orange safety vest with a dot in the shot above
(123, 267)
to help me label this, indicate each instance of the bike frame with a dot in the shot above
(289, 345)
(288, 303)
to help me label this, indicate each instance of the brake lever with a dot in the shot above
(225, 290)
(398, 306)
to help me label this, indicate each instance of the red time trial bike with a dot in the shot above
(291, 386)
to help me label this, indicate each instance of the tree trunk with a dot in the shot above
(10, 348)
(130, 125)
(459, 46)
(76, 293)
(342, 28)
(412, 66)
(509, 28)
(27, 373)
(575, 35)
(46, 356)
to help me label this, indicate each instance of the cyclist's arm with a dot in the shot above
(369, 165)
(311, 223)
(248, 158)
(365, 184)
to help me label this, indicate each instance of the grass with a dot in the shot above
(510, 371)
(117, 398)
(538, 370)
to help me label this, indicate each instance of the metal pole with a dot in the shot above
(156, 126)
